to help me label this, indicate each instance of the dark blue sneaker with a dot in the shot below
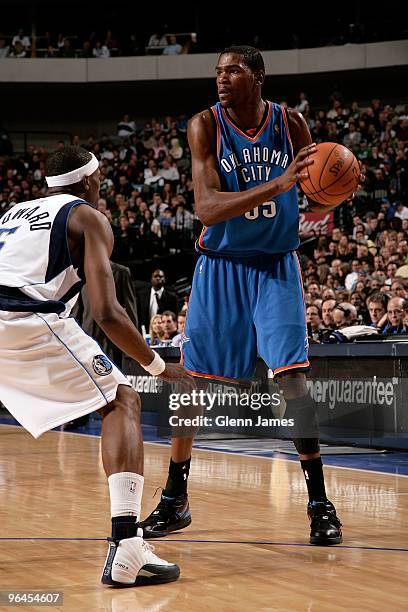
(171, 514)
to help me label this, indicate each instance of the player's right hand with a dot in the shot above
(297, 169)
(175, 373)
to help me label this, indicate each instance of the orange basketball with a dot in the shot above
(334, 175)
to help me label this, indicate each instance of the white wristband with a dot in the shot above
(157, 366)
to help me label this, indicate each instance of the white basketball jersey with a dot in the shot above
(36, 271)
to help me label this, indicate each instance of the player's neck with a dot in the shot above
(249, 115)
(63, 191)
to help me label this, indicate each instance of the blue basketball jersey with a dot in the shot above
(244, 162)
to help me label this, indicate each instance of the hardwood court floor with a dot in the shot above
(247, 548)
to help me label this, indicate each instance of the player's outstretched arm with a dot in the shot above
(107, 312)
(212, 204)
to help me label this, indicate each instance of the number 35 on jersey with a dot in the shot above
(267, 209)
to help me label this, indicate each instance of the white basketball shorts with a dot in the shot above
(51, 371)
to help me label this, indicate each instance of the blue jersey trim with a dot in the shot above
(14, 300)
(59, 256)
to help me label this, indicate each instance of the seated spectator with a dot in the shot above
(21, 39)
(192, 45)
(352, 277)
(169, 325)
(100, 50)
(372, 224)
(395, 316)
(371, 286)
(391, 270)
(323, 271)
(328, 306)
(184, 219)
(401, 211)
(176, 150)
(60, 41)
(4, 48)
(160, 149)
(86, 51)
(156, 227)
(353, 137)
(110, 41)
(358, 301)
(314, 322)
(328, 294)
(121, 207)
(145, 222)
(156, 333)
(102, 206)
(133, 219)
(124, 242)
(157, 206)
(167, 222)
(377, 309)
(169, 172)
(343, 295)
(157, 40)
(302, 104)
(335, 268)
(124, 187)
(181, 324)
(398, 288)
(172, 48)
(363, 252)
(18, 50)
(344, 315)
(155, 181)
(314, 290)
(167, 193)
(66, 51)
(366, 267)
(50, 53)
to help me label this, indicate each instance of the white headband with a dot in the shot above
(69, 178)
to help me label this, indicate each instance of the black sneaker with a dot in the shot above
(172, 514)
(324, 523)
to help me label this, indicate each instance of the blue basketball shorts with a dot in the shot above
(239, 309)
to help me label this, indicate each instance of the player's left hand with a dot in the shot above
(175, 373)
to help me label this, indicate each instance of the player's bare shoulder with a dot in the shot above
(202, 131)
(84, 218)
(296, 119)
(203, 119)
(299, 130)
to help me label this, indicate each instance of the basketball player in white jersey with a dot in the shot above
(50, 371)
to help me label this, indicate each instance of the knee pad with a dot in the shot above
(304, 414)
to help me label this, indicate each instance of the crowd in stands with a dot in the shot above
(146, 188)
(358, 274)
(172, 35)
(147, 195)
(93, 45)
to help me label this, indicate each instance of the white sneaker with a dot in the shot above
(132, 562)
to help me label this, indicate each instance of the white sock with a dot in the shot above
(126, 490)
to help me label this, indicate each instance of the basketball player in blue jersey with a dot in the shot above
(51, 371)
(246, 299)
